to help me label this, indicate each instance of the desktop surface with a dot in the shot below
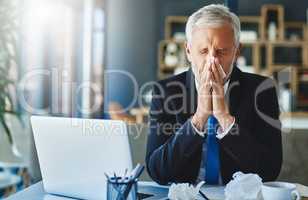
(150, 189)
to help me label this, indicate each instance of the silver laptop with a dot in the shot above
(75, 153)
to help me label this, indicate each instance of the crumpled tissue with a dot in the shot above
(184, 191)
(244, 187)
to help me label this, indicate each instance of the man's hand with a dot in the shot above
(204, 109)
(220, 108)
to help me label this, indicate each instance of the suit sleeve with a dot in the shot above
(259, 150)
(169, 148)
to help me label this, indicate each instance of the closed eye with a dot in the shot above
(204, 51)
(221, 51)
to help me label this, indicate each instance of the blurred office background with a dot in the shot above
(98, 58)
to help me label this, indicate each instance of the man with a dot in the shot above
(213, 120)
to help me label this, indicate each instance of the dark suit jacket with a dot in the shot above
(253, 145)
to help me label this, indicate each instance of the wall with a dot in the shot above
(131, 46)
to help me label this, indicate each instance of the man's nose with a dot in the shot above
(211, 56)
(213, 53)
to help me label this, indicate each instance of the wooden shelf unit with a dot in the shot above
(253, 20)
(170, 21)
(306, 32)
(255, 46)
(279, 9)
(262, 41)
(289, 44)
(294, 114)
(164, 70)
(301, 26)
(294, 83)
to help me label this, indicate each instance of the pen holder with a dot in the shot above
(119, 189)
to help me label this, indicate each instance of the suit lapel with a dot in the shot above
(233, 97)
(191, 103)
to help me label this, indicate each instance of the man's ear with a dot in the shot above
(238, 51)
(188, 51)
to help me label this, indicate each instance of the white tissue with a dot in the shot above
(184, 191)
(244, 187)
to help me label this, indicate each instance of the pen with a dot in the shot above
(107, 176)
(134, 175)
(203, 195)
(115, 178)
(124, 176)
(134, 170)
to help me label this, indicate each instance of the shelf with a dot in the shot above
(251, 21)
(287, 43)
(277, 42)
(281, 66)
(262, 51)
(294, 114)
(170, 20)
(298, 26)
(167, 69)
(306, 33)
(279, 9)
(163, 68)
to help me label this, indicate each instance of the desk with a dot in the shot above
(36, 192)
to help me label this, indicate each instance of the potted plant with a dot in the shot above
(6, 106)
(8, 60)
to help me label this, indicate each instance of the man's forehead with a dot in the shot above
(200, 32)
(213, 25)
(202, 35)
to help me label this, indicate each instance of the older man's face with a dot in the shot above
(208, 42)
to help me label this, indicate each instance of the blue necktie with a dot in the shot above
(212, 154)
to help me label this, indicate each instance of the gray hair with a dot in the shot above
(213, 15)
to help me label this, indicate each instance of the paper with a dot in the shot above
(184, 191)
(244, 187)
